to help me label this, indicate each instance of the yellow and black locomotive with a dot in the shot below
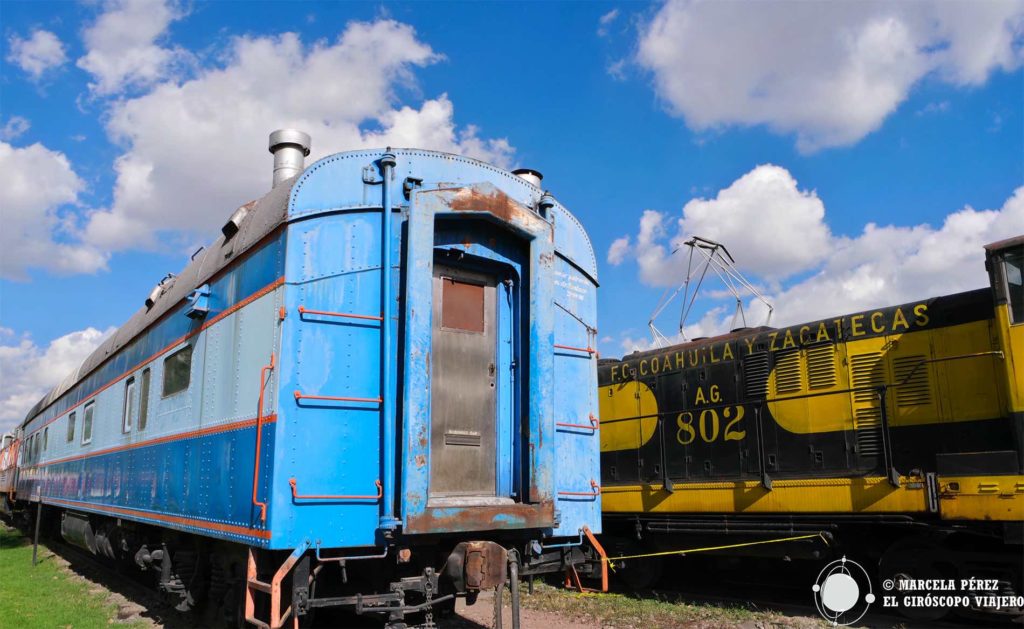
(897, 433)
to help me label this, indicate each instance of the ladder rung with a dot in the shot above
(260, 585)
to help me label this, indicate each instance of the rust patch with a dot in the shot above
(497, 203)
(484, 518)
(485, 565)
(420, 460)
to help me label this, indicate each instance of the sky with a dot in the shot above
(849, 155)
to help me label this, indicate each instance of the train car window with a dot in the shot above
(129, 405)
(144, 400)
(1014, 269)
(177, 371)
(71, 427)
(87, 423)
(46, 438)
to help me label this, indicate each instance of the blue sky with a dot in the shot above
(851, 155)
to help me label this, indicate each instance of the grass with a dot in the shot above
(654, 609)
(47, 595)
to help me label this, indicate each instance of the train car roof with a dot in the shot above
(263, 216)
(1003, 244)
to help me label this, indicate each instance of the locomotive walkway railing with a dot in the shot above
(888, 467)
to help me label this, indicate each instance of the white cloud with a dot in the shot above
(774, 230)
(37, 183)
(121, 45)
(15, 127)
(940, 107)
(28, 371)
(42, 51)
(196, 149)
(618, 251)
(605, 21)
(617, 70)
(828, 72)
(887, 265)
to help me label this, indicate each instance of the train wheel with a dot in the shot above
(915, 560)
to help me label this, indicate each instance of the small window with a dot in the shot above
(129, 405)
(177, 371)
(462, 305)
(46, 438)
(87, 423)
(144, 400)
(71, 427)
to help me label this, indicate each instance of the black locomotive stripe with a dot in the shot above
(928, 314)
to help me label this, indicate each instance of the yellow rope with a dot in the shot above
(701, 550)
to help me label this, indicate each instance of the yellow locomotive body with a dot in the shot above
(896, 431)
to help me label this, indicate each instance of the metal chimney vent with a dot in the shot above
(290, 148)
(530, 175)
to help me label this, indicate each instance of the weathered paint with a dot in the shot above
(192, 468)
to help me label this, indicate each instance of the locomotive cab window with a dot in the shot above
(46, 438)
(1013, 269)
(177, 371)
(71, 427)
(87, 423)
(129, 405)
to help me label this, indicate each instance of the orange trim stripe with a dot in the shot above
(245, 302)
(202, 432)
(172, 519)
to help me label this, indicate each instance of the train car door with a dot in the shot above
(464, 431)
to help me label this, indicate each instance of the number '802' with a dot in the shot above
(708, 425)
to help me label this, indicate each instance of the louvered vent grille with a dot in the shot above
(869, 437)
(755, 375)
(787, 373)
(868, 371)
(916, 390)
(821, 367)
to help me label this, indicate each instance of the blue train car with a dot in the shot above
(386, 363)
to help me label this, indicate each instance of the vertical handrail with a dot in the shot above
(387, 518)
(259, 441)
(890, 470)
